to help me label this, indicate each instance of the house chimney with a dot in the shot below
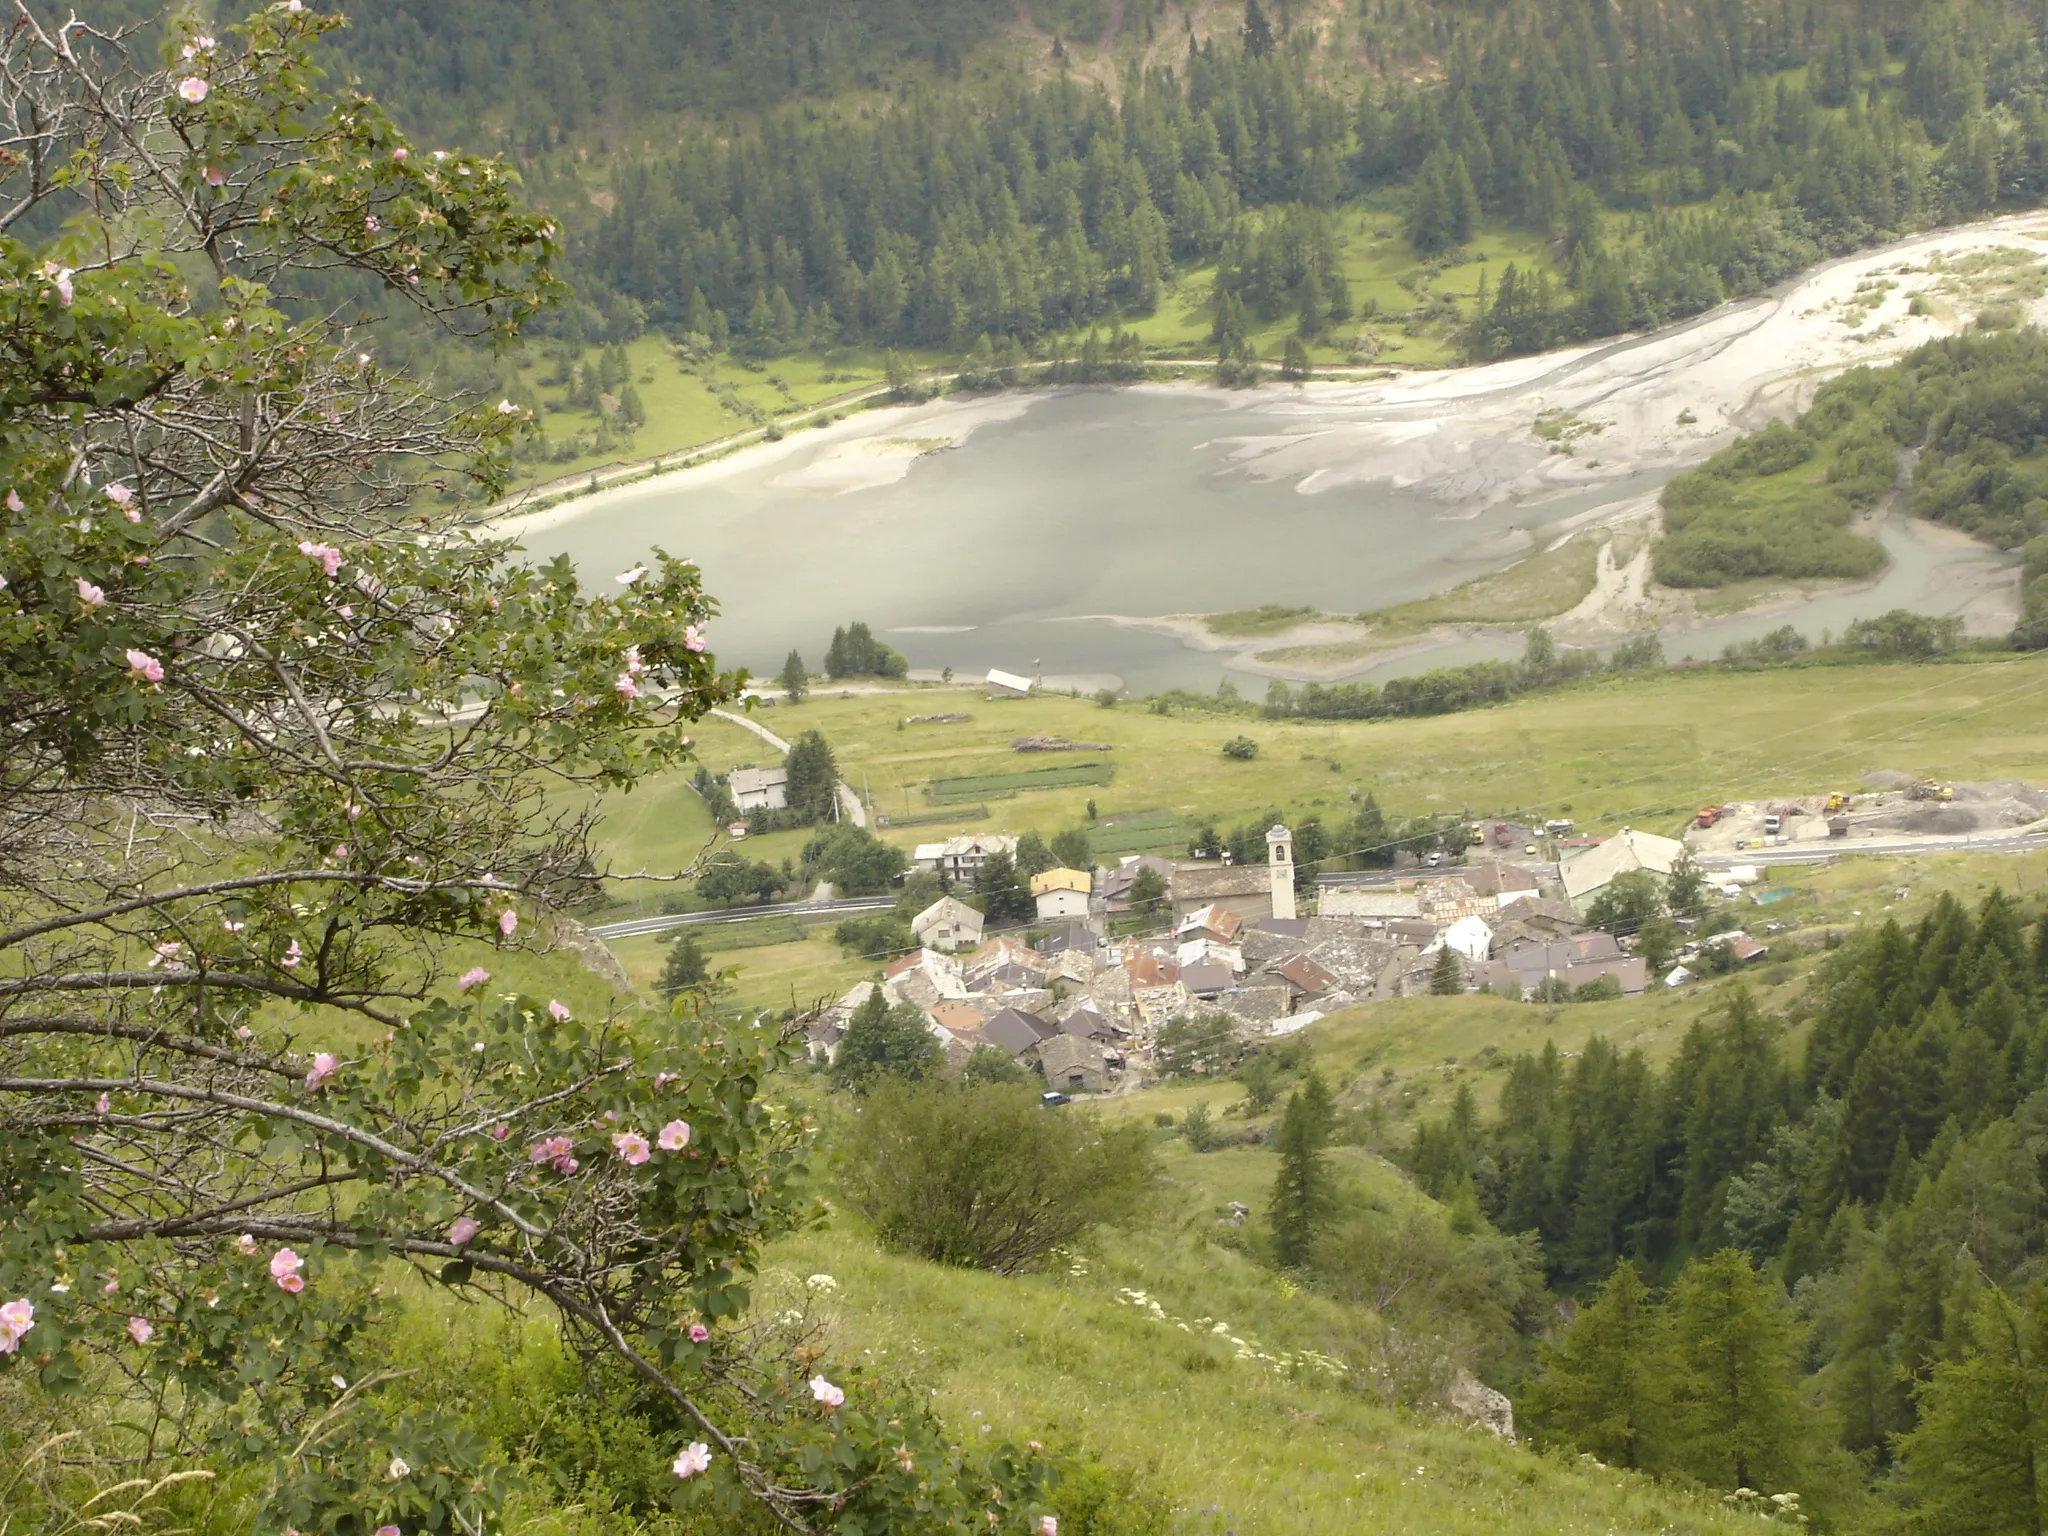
(1280, 861)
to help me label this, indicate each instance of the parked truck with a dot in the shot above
(1709, 814)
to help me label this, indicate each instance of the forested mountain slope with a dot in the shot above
(1668, 155)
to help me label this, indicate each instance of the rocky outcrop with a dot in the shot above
(1477, 1403)
(592, 951)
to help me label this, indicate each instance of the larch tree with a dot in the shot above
(1738, 1419)
(1302, 1193)
(1601, 1386)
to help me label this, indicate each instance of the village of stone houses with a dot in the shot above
(1238, 947)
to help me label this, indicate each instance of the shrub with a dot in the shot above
(1243, 748)
(986, 1177)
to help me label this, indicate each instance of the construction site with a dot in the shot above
(1888, 807)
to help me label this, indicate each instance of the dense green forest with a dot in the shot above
(1671, 156)
(1971, 411)
(1860, 1217)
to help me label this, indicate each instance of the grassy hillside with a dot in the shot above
(1237, 1446)
(1642, 751)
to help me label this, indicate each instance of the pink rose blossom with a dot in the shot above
(112, 1287)
(61, 278)
(634, 665)
(401, 154)
(696, 1457)
(555, 1149)
(389, 1530)
(693, 639)
(508, 922)
(627, 578)
(119, 494)
(229, 925)
(284, 1269)
(674, 1136)
(139, 1329)
(103, 1105)
(89, 594)
(699, 1333)
(1048, 1525)
(558, 1010)
(193, 89)
(500, 1132)
(16, 1318)
(626, 687)
(215, 176)
(473, 978)
(245, 1245)
(144, 668)
(507, 408)
(824, 1392)
(328, 556)
(371, 224)
(465, 1228)
(292, 956)
(663, 1079)
(345, 611)
(15, 503)
(325, 1065)
(631, 1146)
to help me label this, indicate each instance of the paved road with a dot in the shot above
(846, 906)
(1816, 853)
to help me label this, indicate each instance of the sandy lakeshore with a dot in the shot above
(1529, 454)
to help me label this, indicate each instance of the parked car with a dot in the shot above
(1053, 1100)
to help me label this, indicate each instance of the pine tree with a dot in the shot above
(882, 1042)
(812, 786)
(1738, 1418)
(1302, 1195)
(796, 682)
(1294, 364)
(837, 663)
(1447, 976)
(1258, 32)
(686, 969)
(1602, 1387)
(1003, 896)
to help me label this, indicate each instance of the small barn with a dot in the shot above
(1073, 1064)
